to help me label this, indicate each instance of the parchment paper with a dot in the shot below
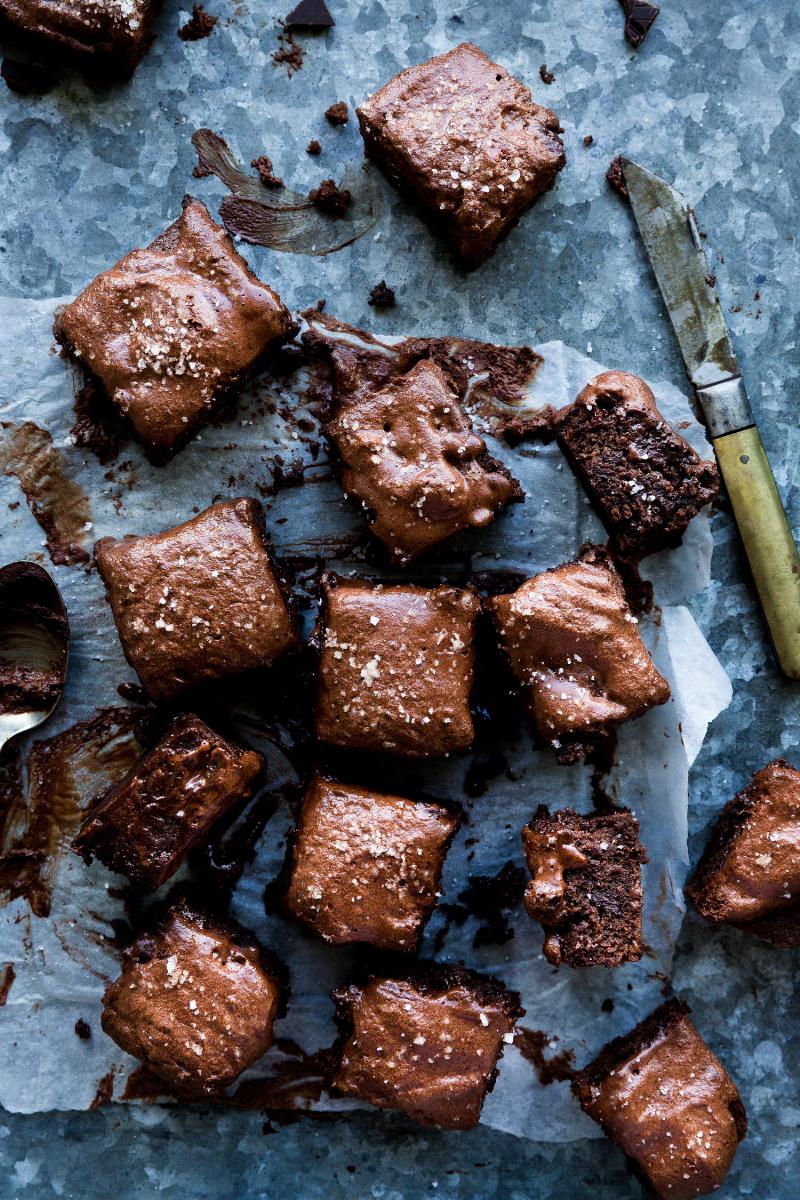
(61, 963)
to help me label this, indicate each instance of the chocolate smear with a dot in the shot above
(292, 222)
(7, 977)
(98, 425)
(34, 640)
(57, 502)
(312, 15)
(639, 18)
(105, 1090)
(198, 26)
(616, 179)
(531, 1044)
(64, 773)
(25, 79)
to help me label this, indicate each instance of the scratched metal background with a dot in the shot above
(712, 100)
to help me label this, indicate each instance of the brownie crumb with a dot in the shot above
(83, 1030)
(198, 26)
(711, 279)
(607, 1006)
(588, 141)
(313, 147)
(132, 691)
(337, 114)
(25, 79)
(313, 15)
(289, 53)
(616, 179)
(531, 1045)
(329, 198)
(639, 18)
(545, 75)
(263, 164)
(381, 296)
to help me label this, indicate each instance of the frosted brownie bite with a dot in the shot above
(749, 874)
(395, 668)
(464, 139)
(196, 1001)
(145, 825)
(171, 331)
(586, 886)
(668, 1103)
(575, 650)
(366, 866)
(408, 453)
(104, 37)
(645, 481)
(426, 1044)
(197, 603)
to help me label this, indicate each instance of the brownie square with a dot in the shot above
(668, 1103)
(645, 481)
(396, 667)
(104, 37)
(466, 141)
(366, 866)
(195, 1001)
(199, 602)
(586, 886)
(574, 647)
(171, 331)
(750, 872)
(426, 1044)
(408, 453)
(144, 826)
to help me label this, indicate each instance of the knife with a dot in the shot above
(669, 232)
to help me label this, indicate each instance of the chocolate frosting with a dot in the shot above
(170, 331)
(586, 889)
(573, 644)
(752, 865)
(194, 1001)
(198, 602)
(428, 1046)
(396, 668)
(467, 140)
(409, 454)
(108, 35)
(144, 826)
(668, 1102)
(366, 866)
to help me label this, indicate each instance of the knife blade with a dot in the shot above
(669, 231)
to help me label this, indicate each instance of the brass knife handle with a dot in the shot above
(767, 538)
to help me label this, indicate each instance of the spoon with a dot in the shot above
(34, 648)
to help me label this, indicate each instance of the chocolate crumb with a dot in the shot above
(639, 17)
(289, 53)
(198, 26)
(313, 147)
(616, 179)
(545, 75)
(756, 295)
(587, 141)
(329, 198)
(83, 1030)
(263, 164)
(491, 898)
(381, 296)
(313, 15)
(607, 1006)
(337, 114)
(25, 79)
(711, 279)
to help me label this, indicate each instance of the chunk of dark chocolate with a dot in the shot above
(749, 874)
(195, 1002)
(639, 17)
(172, 331)
(645, 481)
(574, 647)
(107, 38)
(365, 865)
(427, 1044)
(144, 826)
(586, 889)
(409, 454)
(310, 14)
(668, 1103)
(197, 603)
(466, 140)
(396, 667)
